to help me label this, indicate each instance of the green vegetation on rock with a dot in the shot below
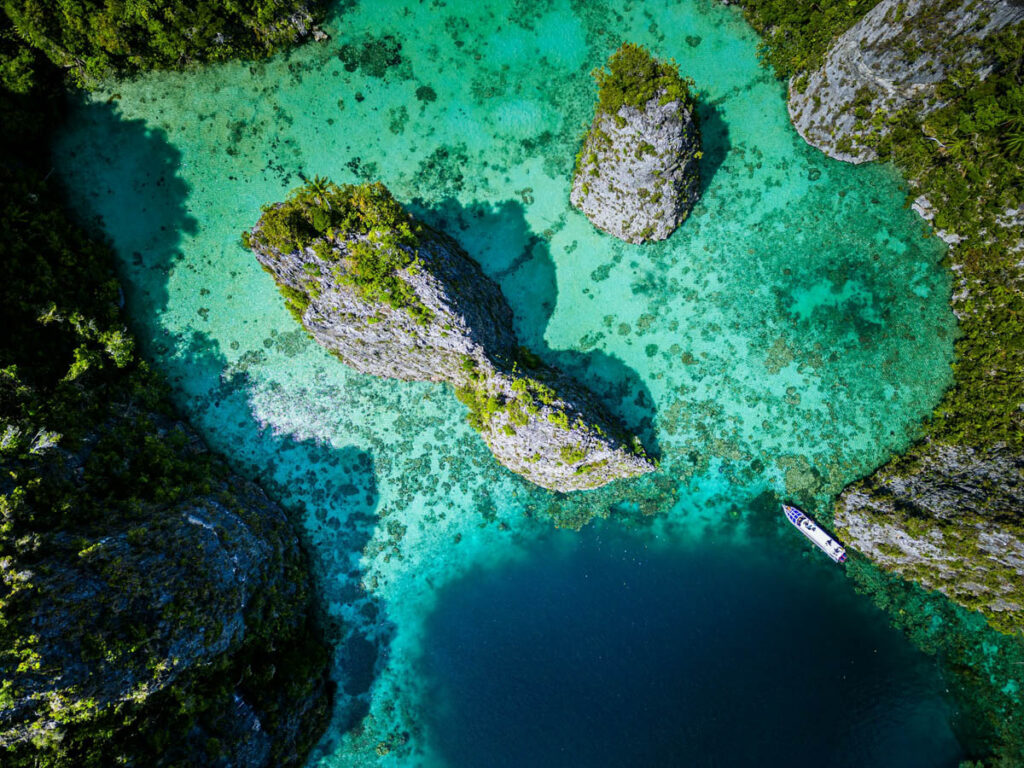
(528, 397)
(394, 298)
(796, 34)
(99, 38)
(363, 223)
(965, 159)
(633, 77)
(637, 172)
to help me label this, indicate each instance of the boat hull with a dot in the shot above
(815, 533)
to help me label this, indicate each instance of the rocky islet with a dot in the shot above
(392, 297)
(637, 175)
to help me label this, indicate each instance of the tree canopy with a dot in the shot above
(633, 77)
(97, 38)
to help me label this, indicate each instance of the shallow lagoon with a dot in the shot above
(782, 343)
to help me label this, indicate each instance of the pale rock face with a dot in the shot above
(541, 425)
(639, 171)
(468, 315)
(947, 517)
(892, 58)
(944, 522)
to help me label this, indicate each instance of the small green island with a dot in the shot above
(637, 175)
(392, 297)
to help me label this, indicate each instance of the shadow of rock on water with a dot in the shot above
(500, 239)
(333, 493)
(715, 141)
(134, 193)
(125, 175)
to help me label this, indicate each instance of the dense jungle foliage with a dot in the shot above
(967, 159)
(796, 34)
(90, 447)
(97, 38)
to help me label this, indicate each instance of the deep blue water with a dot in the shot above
(601, 650)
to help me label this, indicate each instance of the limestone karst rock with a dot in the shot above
(637, 175)
(391, 297)
(947, 513)
(892, 59)
(118, 617)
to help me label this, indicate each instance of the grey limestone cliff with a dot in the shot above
(537, 422)
(949, 518)
(637, 174)
(892, 59)
(948, 514)
(639, 170)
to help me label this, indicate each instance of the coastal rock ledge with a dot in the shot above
(893, 59)
(392, 297)
(183, 628)
(637, 175)
(946, 517)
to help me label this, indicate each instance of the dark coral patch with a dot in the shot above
(373, 57)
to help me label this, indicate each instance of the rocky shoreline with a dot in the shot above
(947, 513)
(892, 59)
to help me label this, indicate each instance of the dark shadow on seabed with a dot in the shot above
(714, 140)
(139, 196)
(331, 492)
(499, 238)
(334, 492)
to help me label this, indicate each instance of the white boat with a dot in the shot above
(810, 529)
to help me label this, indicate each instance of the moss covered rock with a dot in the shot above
(948, 514)
(98, 39)
(947, 517)
(155, 609)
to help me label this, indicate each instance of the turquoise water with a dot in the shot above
(785, 341)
